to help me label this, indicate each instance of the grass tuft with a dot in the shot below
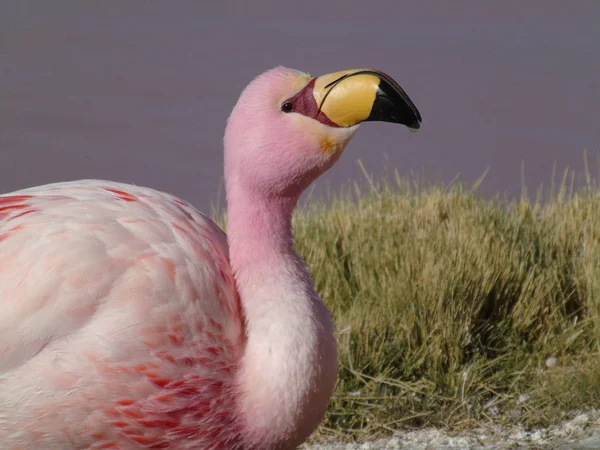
(448, 306)
(452, 310)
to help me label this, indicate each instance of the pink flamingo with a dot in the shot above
(128, 320)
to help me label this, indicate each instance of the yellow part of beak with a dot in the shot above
(349, 101)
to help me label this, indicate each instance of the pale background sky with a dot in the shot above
(139, 91)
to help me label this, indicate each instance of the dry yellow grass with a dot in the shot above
(448, 306)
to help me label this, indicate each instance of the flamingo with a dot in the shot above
(129, 320)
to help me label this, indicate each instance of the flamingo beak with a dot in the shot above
(347, 98)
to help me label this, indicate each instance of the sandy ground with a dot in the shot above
(581, 432)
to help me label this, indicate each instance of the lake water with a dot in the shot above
(140, 91)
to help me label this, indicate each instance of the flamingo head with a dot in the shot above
(287, 127)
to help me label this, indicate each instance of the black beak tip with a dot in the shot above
(392, 104)
(415, 124)
(409, 113)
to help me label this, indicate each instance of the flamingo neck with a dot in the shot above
(259, 233)
(289, 366)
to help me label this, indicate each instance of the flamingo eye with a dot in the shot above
(287, 107)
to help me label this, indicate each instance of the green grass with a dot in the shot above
(448, 305)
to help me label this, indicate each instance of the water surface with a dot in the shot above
(139, 92)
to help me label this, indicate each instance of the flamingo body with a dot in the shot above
(127, 318)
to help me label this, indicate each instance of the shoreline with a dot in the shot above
(580, 432)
